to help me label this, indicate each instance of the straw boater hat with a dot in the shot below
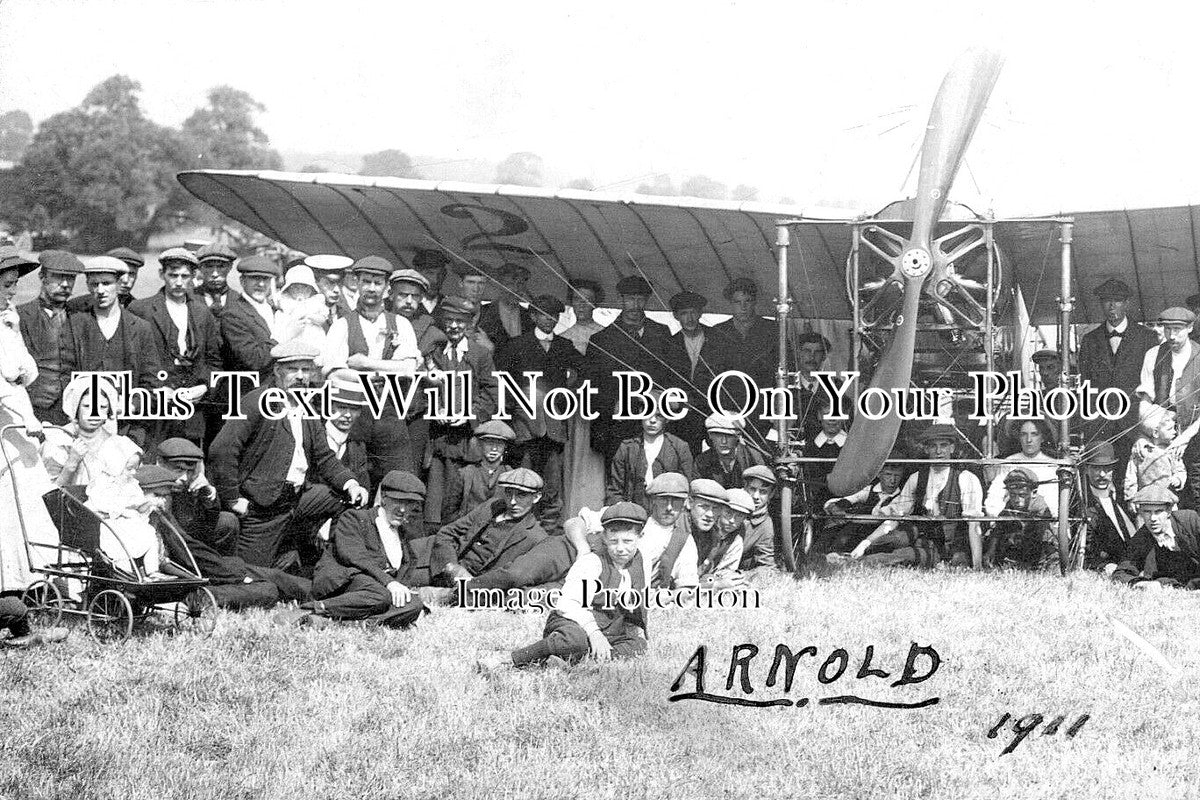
(346, 388)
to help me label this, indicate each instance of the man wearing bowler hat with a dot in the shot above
(261, 465)
(1170, 379)
(1109, 526)
(1110, 356)
(42, 323)
(366, 573)
(248, 324)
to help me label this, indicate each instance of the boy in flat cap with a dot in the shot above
(728, 456)
(367, 572)
(693, 357)
(540, 439)
(125, 280)
(493, 535)
(195, 505)
(505, 318)
(758, 538)
(479, 480)
(1165, 551)
(1024, 538)
(632, 343)
(248, 323)
(719, 547)
(42, 322)
(640, 459)
(840, 536)
(260, 466)
(942, 491)
(1170, 379)
(105, 337)
(593, 617)
(449, 440)
(187, 340)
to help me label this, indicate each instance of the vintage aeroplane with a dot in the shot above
(924, 283)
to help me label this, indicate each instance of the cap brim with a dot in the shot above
(401, 495)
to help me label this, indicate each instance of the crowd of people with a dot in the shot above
(367, 517)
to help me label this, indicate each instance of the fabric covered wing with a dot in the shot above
(676, 243)
(1153, 250)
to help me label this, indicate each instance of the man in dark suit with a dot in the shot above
(747, 341)
(186, 338)
(540, 439)
(693, 357)
(493, 535)
(408, 291)
(632, 343)
(367, 571)
(104, 337)
(1165, 551)
(260, 465)
(248, 321)
(1111, 357)
(42, 323)
(1109, 527)
(728, 455)
(433, 266)
(214, 262)
(504, 318)
(449, 438)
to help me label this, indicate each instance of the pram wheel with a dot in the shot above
(110, 616)
(197, 613)
(45, 604)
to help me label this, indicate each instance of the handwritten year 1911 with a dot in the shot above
(1026, 725)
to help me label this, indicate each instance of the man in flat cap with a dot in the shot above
(1165, 551)
(694, 356)
(126, 282)
(372, 340)
(104, 337)
(584, 622)
(941, 490)
(493, 535)
(728, 456)
(213, 264)
(195, 504)
(1024, 537)
(506, 318)
(632, 343)
(758, 541)
(42, 322)
(1109, 527)
(248, 324)
(541, 440)
(449, 439)
(186, 337)
(367, 572)
(1111, 356)
(1170, 379)
(260, 465)
(408, 289)
(667, 542)
(433, 264)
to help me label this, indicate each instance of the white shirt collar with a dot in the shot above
(458, 351)
(821, 439)
(545, 337)
(1118, 328)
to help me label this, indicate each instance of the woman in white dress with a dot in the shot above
(585, 477)
(23, 479)
(1032, 436)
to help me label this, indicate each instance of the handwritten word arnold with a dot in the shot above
(451, 397)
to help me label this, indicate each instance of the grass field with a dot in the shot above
(263, 710)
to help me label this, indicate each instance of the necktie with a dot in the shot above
(1114, 339)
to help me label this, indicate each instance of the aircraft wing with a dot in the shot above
(676, 243)
(1154, 250)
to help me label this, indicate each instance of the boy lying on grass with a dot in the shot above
(589, 620)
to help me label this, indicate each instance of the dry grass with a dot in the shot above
(261, 710)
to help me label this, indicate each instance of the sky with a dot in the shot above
(823, 103)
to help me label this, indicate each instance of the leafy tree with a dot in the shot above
(582, 183)
(661, 185)
(390, 164)
(16, 129)
(224, 134)
(520, 169)
(704, 186)
(101, 171)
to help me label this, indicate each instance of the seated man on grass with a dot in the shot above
(593, 617)
(1165, 551)
(364, 575)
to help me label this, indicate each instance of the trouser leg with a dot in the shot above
(361, 598)
(262, 531)
(317, 504)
